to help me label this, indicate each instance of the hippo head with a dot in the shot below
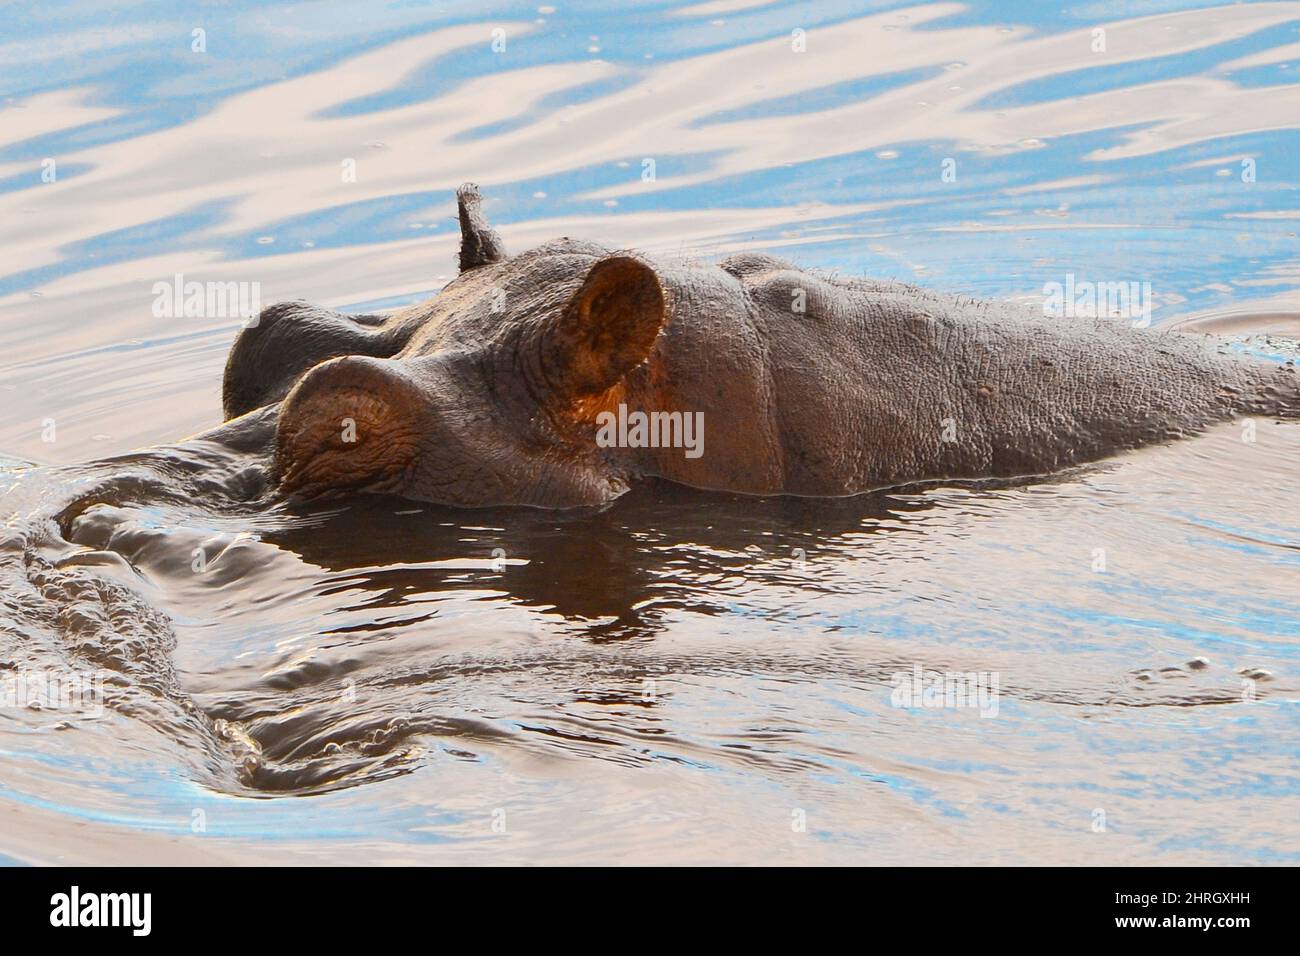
(484, 395)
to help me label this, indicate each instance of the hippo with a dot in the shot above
(557, 377)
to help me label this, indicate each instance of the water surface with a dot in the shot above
(682, 677)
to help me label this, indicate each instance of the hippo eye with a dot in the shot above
(351, 422)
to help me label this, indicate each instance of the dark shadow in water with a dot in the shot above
(648, 549)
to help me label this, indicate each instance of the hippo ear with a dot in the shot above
(479, 242)
(606, 329)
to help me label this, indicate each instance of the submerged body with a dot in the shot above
(495, 390)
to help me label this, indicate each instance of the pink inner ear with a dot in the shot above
(609, 326)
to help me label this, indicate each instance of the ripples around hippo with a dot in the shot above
(666, 651)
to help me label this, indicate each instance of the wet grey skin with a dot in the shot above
(488, 393)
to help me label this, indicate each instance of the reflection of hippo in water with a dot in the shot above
(496, 390)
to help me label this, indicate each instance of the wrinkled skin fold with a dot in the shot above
(493, 391)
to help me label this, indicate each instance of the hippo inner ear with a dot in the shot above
(479, 242)
(606, 329)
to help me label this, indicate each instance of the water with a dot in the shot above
(681, 677)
